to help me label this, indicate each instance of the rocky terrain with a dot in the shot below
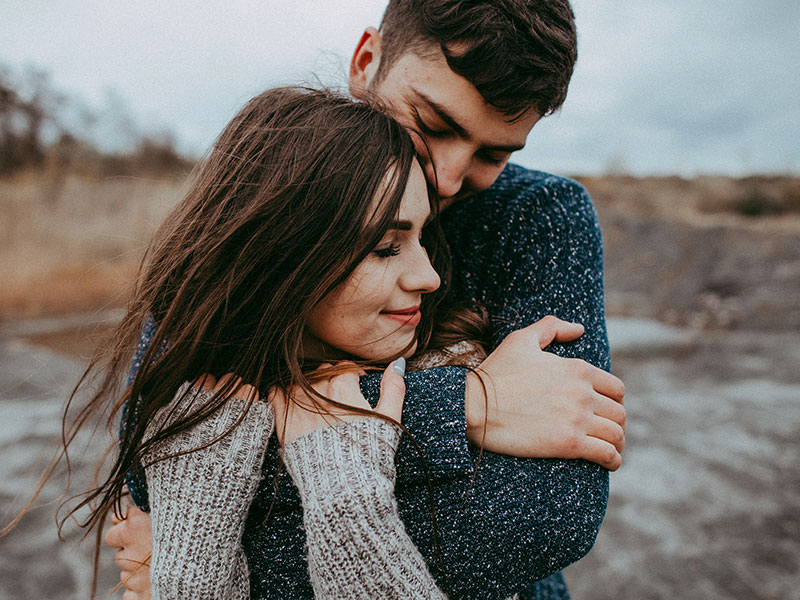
(703, 281)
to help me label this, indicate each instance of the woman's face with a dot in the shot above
(374, 313)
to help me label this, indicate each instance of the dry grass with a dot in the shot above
(707, 252)
(75, 244)
(755, 202)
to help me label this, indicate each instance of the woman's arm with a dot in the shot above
(357, 544)
(344, 473)
(199, 500)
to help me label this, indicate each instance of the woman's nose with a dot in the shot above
(420, 276)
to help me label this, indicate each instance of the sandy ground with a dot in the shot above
(707, 504)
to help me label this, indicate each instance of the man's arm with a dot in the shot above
(528, 247)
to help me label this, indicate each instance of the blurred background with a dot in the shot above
(682, 122)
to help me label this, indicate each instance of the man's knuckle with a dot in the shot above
(572, 444)
(618, 437)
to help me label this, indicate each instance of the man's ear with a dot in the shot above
(365, 63)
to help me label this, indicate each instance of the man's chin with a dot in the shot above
(445, 203)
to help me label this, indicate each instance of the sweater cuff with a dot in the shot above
(343, 457)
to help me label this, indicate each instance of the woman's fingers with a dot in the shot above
(206, 382)
(302, 413)
(393, 390)
(231, 382)
(345, 389)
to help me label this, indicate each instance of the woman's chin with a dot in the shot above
(411, 350)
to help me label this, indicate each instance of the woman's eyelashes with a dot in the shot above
(387, 251)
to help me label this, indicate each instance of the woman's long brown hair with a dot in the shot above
(281, 212)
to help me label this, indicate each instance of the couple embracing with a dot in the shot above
(374, 361)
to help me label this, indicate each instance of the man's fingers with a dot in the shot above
(113, 537)
(609, 409)
(550, 329)
(608, 431)
(608, 384)
(135, 581)
(602, 453)
(129, 563)
(393, 390)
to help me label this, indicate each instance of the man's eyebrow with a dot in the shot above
(441, 111)
(459, 130)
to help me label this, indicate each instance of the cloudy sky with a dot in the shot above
(661, 87)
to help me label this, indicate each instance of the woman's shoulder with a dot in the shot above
(465, 353)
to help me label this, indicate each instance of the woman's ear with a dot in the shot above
(365, 62)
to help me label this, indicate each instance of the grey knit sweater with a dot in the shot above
(345, 474)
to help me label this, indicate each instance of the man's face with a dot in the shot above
(468, 140)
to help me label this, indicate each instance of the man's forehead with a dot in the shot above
(427, 82)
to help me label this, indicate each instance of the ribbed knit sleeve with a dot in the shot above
(200, 499)
(357, 544)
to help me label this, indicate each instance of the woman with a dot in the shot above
(299, 243)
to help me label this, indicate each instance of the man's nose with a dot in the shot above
(451, 166)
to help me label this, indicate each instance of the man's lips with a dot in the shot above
(406, 316)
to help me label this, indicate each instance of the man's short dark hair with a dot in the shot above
(519, 54)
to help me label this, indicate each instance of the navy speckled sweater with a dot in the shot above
(527, 247)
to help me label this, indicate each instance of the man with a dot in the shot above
(471, 79)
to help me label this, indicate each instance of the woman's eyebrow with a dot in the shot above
(402, 225)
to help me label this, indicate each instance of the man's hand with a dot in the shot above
(133, 537)
(542, 405)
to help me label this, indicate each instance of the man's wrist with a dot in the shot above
(474, 407)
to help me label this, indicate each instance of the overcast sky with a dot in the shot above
(661, 86)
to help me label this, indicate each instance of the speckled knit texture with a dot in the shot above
(527, 247)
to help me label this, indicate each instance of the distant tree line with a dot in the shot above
(42, 128)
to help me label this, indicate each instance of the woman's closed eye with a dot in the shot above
(387, 251)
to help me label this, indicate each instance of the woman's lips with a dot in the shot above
(411, 316)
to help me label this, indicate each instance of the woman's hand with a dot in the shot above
(132, 535)
(300, 416)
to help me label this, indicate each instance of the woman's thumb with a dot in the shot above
(393, 390)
